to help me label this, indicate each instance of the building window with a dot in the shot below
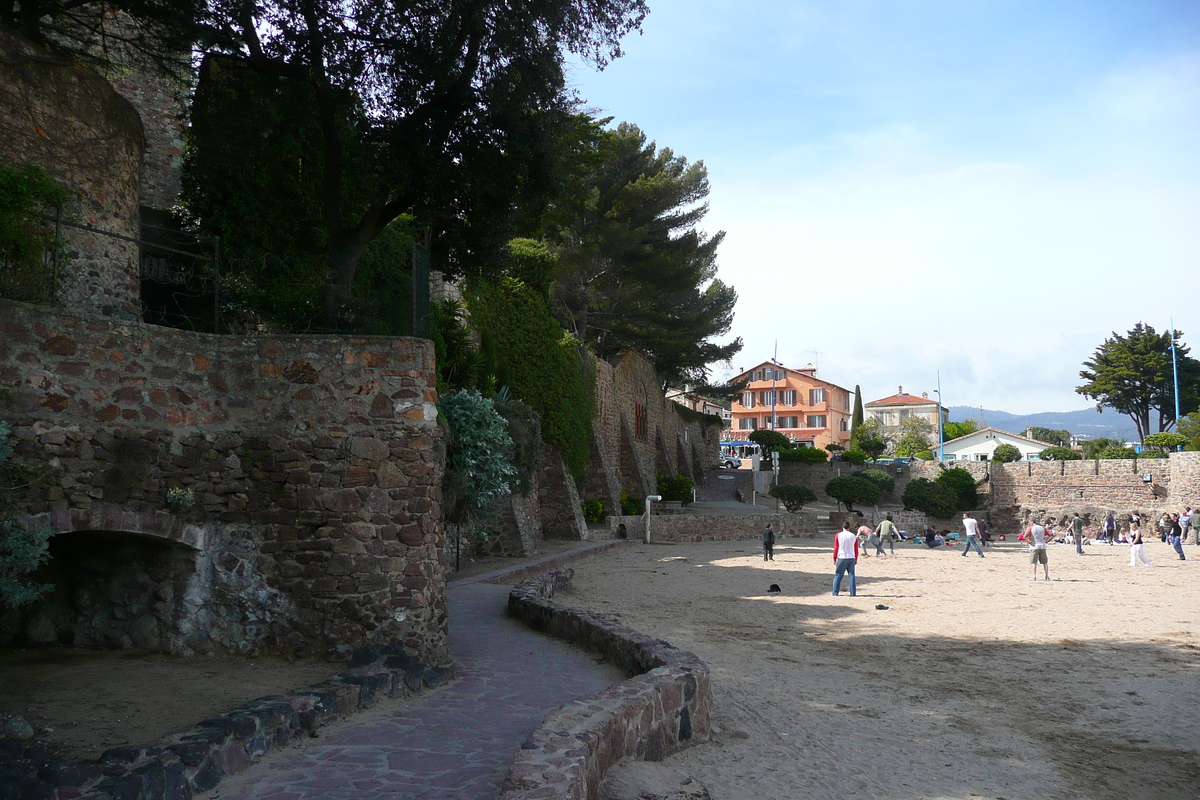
(766, 398)
(845, 401)
(757, 376)
(816, 397)
(816, 420)
(748, 399)
(845, 424)
(639, 420)
(789, 422)
(787, 397)
(746, 423)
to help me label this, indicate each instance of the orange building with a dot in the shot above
(794, 402)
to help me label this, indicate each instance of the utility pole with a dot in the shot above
(941, 434)
(1175, 373)
(774, 394)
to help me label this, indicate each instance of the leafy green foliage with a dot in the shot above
(22, 550)
(805, 455)
(26, 193)
(770, 440)
(871, 439)
(447, 113)
(856, 457)
(678, 488)
(953, 430)
(634, 269)
(1189, 426)
(1092, 448)
(1051, 436)
(924, 455)
(478, 463)
(1132, 375)
(593, 510)
(1059, 454)
(542, 363)
(915, 434)
(934, 499)
(525, 429)
(1117, 452)
(851, 490)
(631, 506)
(962, 484)
(793, 497)
(1004, 453)
(856, 417)
(884, 481)
(1167, 442)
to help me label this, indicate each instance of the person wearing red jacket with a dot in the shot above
(845, 556)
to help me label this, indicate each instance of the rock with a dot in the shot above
(14, 726)
(649, 780)
(144, 632)
(41, 630)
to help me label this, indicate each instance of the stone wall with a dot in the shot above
(665, 707)
(712, 528)
(320, 457)
(68, 120)
(161, 103)
(639, 433)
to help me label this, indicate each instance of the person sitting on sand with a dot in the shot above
(930, 536)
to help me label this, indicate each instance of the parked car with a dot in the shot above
(729, 462)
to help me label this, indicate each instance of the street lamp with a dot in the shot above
(941, 436)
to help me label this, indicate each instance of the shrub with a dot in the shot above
(962, 484)
(924, 455)
(593, 510)
(770, 440)
(479, 468)
(934, 499)
(678, 488)
(631, 506)
(22, 550)
(855, 457)
(793, 497)
(805, 455)
(1059, 454)
(1165, 441)
(834, 447)
(885, 482)
(1115, 452)
(25, 194)
(1004, 453)
(852, 489)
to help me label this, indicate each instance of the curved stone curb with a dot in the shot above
(196, 760)
(663, 708)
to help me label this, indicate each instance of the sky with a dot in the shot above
(980, 190)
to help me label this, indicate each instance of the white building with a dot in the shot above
(980, 445)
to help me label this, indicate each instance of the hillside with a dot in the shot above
(1085, 421)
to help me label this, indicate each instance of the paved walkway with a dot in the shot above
(453, 742)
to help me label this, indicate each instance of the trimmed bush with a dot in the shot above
(1060, 454)
(934, 499)
(793, 497)
(962, 484)
(593, 510)
(1006, 453)
(855, 457)
(678, 488)
(885, 482)
(852, 489)
(805, 455)
(1116, 452)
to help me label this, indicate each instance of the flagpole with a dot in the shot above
(1175, 373)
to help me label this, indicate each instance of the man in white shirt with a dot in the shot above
(971, 526)
(845, 556)
(1037, 548)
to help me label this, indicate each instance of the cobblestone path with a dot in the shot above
(453, 742)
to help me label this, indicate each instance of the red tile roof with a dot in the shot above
(903, 400)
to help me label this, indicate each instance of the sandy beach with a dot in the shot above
(975, 681)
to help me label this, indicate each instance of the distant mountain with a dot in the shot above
(1087, 421)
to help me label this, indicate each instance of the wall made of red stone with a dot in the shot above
(326, 446)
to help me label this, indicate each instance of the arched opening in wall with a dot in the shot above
(112, 590)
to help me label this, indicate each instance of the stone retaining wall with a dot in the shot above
(712, 527)
(200, 758)
(665, 707)
(315, 464)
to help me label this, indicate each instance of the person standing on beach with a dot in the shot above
(972, 529)
(768, 543)
(1037, 548)
(845, 556)
(1185, 522)
(1110, 527)
(1077, 532)
(887, 534)
(1137, 550)
(1175, 533)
